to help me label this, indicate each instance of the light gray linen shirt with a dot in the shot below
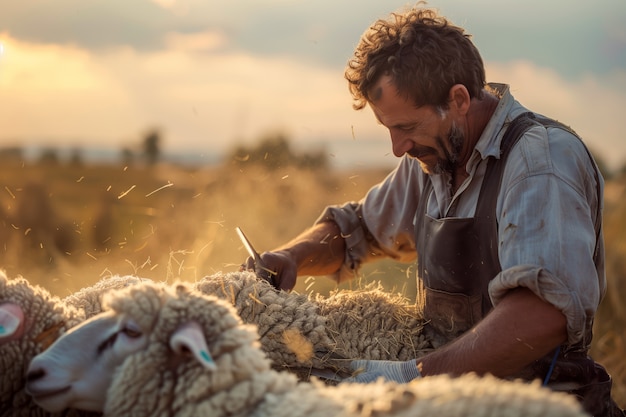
(546, 209)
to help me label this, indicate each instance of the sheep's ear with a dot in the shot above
(11, 316)
(189, 337)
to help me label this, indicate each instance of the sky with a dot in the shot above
(214, 74)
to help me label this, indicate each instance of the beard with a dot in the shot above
(450, 155)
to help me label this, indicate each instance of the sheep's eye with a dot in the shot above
(131, 331)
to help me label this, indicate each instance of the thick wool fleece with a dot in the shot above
(46, 318)
(89, 298)
(292, 331)
(467, 395)
(374, 324)
(151, 383)
(297, 330)
(148, 384)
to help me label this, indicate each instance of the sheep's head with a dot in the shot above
(31, 314)
(150, 336)
(30, 320)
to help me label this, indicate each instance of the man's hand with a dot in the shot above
(369, 371)
(278, 269)
(316, 251)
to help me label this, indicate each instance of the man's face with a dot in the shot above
(423, 133)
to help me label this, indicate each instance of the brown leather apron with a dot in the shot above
(456, 259)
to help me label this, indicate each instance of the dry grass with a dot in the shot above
(169, 223)
(163, 223)
(609, 345)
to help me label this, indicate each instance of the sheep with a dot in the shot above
(371, 323)
(172, 351)
(303, 333)
(88, 298)
(30, 320)
(293, 333)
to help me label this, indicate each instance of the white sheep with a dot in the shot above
(173, 351)
(31, 319)
(371, 323)
(89, 298)
(293, 333)
(299, 332)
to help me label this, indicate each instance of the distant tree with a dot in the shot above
(76, 157)
(274, 151)
(128, 156)
(49, 156)
(12, 153)
(313, 160)
(152, 146)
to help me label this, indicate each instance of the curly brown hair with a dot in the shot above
(424, 53)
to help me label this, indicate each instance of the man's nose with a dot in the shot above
(400, 144)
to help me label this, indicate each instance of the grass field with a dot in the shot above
(66, 226)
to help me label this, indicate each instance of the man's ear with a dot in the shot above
(459, 99)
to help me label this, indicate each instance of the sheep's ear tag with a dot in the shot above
(190, 337)
(11, 316)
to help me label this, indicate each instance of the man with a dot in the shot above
(500, 207)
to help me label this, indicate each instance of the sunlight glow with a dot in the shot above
(198, 41)
(166, 4)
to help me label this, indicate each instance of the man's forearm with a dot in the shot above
(318, 250)
(521, 329)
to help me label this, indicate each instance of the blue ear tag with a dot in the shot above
(205, 355)
(190, 338)
(2, 330)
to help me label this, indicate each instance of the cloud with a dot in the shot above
(572, 37)
(208, 98)
(198, 41)
(166, 4)
(53, 92)
(591, 105)
(94, 25)
(201, 100)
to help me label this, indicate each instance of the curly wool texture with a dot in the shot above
(46, 318)
(371, 323)
(293, 333)
(442, 395)
(151, 382)
(89, 298)
(358, 324)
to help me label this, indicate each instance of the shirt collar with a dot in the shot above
(489, 142)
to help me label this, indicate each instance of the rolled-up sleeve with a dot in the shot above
(547, 237)
(576, 306)
(381, 224)
(348, 218)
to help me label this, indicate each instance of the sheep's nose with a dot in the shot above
(35, 374)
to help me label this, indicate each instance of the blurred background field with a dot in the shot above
(66, 224)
